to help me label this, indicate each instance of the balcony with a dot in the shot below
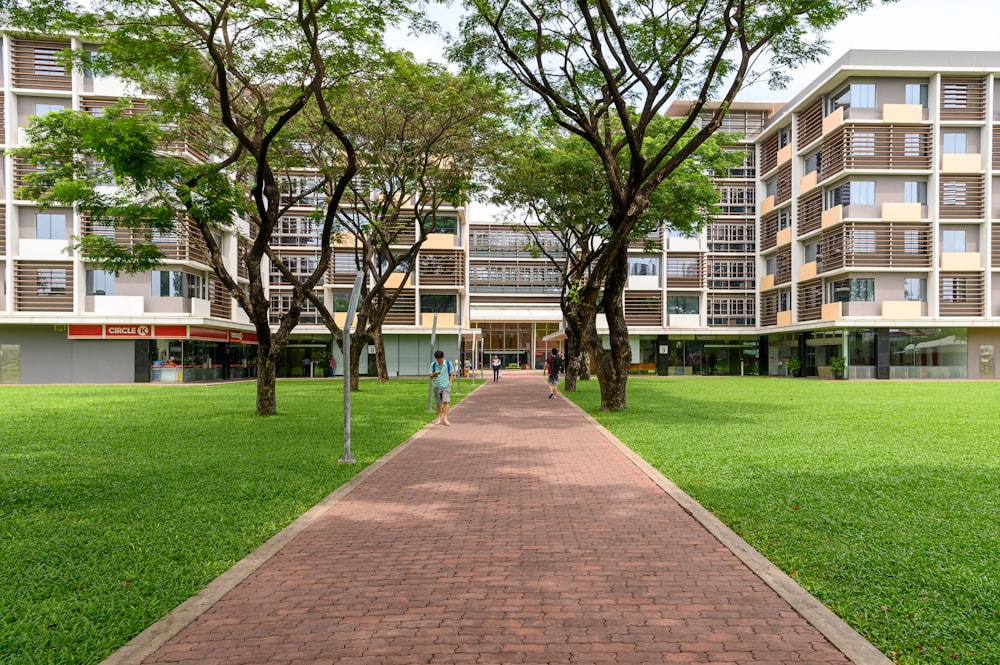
(807, 271)
(684, 321)
(785, 318)
(767, 282)
(903, 113)
(832, 311)
(767, 205)
(897, 211)
(962, 163)
(808, 181)
(32, 248)
(442, 241)
(785, 154)
(832, 121)
(902, 309)
(784, 236)
(116, 305)
(444, 320)
(832, 216)
(961, 261)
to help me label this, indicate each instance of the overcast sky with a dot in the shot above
(935, 25)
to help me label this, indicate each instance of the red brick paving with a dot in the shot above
(520, 534)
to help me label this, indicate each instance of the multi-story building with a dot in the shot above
(879, 212)
(63, 319)
(861, 225)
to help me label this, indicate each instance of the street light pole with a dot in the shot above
(347, 457)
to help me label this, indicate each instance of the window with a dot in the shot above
(812, 162)
(864, 144)
(915, 289)
(912, 145)
(916, 93)
(953, 193)
(915, 191)
(856, 95)
(811, 252)
(912, 242)
(100, 283)
(863, 242)
(51, 282)
(857, 192)
(436, 303)
(851, 290)
(953, 289)
(50, 226)
(955, 143)
(446, 224)
(953, 240)
(683, 304)
(42, 109)
(46, 63)
(643, 266)
(177, 284)
(784, 136)
(770, 266)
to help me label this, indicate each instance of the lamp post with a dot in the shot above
(347, 457)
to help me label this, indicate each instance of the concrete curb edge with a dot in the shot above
(851, 643)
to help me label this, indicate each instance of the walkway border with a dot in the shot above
(155, 636)
(851, 643)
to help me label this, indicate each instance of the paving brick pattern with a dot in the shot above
(517, 535)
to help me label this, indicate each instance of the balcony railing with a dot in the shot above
(644, 308)
(35, 64)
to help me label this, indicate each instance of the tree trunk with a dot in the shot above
(359, 345)
(576, 357)
(266, 372)
(380, 364)
(613, 367)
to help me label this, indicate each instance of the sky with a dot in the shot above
(934, 25)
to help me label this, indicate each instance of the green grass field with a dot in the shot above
(117, 503)
(880, 499)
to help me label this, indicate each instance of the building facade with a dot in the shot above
(860, 226)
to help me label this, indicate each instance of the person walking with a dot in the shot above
(495, 364)
(441, 373)
(553, 365)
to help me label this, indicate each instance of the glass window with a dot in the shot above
(851, 290)
(770, 265)
(955, 143)
(177, 284)
(912, 145)
(42, 109)
(864, 144)
(51, 282)
(682, 304)
(953, 240)
(863, 193)
(916, 93)
(915, 289)
(863, 242)
(50, 226)
(445, 223)
(811, 252)
(643, 266)
(100, 283)
(436, 302)
(856, 95)
(915, 191)
(912, 241)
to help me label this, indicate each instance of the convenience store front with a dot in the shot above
(179, 353)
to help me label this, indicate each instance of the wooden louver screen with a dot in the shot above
(43, 286)
(3, 123)
(769, 230)
(810, 302)
(810, 212)
(222, 302)
(963, 98)
(34, 64)
(783, 266)
(878, 245)
(769, 308)
(644, 308)
(877, 147)
(995, 246)
(404, 309)
(783, 189)
(962, 197)
(768, 155)
(961, 294)
(809, 124)
(3, 230)
(996, 148)
(441, 268)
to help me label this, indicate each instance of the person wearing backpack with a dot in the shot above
(441, 372)
(553, 365)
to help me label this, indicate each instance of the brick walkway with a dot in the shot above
(520, 534)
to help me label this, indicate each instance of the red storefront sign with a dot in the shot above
(240, 337)
(146, 331)
(128, 332)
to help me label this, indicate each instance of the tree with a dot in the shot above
(556, 178)
(236, 81)
(419, 134)
(604, 71)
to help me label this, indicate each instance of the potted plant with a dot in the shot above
(793, 365)
(837, 366)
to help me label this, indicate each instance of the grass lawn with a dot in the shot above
(119, 502)
(880, 499)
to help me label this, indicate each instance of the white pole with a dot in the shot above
(347, 457)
